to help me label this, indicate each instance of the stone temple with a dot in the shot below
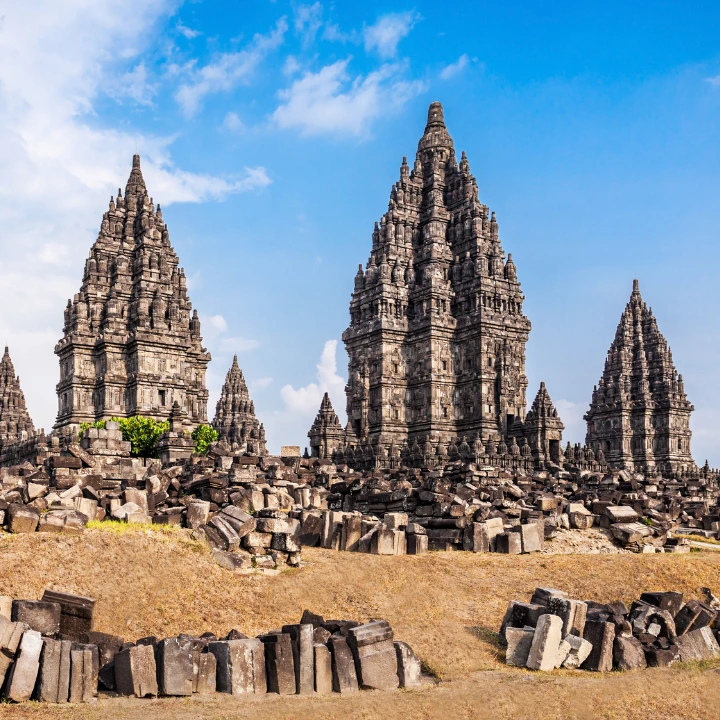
(235, 419)
(437, 334)
(15, 423)
(640, 415)
(131, 343)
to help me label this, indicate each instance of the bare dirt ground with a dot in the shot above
(448, 606)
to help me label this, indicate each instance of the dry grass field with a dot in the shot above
(448, 606)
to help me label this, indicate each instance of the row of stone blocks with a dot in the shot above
(553, 631)
(49, 652)
(396, 535)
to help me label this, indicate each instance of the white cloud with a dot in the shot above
(134, 85)
(239, 344)
(332, 33)
(291, 65)
(217, 323)
(306, 400)
(184, 30)
(331, 101)
(60, 164)
(571, 414)
(383, 37)
(233, 123)
(308, 20)
(261, 383)
(450, 71)
(227, 70)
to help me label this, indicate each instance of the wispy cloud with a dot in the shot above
(233, 123)
(330, 101)
(226, 71)
(187, 32)
(713, 80)
(308, 20)
(450, 71)
(386, 33)
(261, 383)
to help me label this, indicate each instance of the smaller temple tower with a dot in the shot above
(326, 434)
(639, 416)
(235, 419)
(543, 429)
(15, 422)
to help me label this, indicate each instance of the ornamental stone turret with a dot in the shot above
(235, 419)
(326, 434)
(15, 422)
(437, 335)
(543, 429)
(131, 342)
(639, 417)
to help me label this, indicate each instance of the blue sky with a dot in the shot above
(271, 133)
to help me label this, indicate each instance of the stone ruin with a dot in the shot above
(438, 443)
(553, 631)
(49, 651)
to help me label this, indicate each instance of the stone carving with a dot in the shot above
(326, 434)
(235, 419)
(16, 425)
(639, 417)
(131, 343)
(437, 335)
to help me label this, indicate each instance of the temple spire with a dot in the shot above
(326, 434)
(15, 422)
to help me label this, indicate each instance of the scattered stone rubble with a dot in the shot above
(50, 652)
(553, 631)
(257, 511)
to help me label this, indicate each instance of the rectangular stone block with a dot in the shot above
(546, 641)
(240, 666)
(532, 536)
(49, 678)
(206, 680)
(303, 657)
(580, 649)
(22, 518)
(509, 543)
(279, 664)
(409, 669)
(82, 688)
(376, 665)
(383, 541)
(64, 673)
(417, 544)
(25, 669)
(351, 533)
(44, 617)
(6, 606)
(323, 669)
(519, 642)
(173, 657)
(601, 636)
(76, 612)
(136, 671)
(698, 644)
(343, 666)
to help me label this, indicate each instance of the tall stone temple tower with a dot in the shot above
(15, 422)
(131, 343)
(640, 416)
(437, 332)
(235, 419)
(326, 433)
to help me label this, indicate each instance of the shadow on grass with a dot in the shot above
(490, 638)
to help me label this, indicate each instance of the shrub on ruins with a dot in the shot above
(204, 436)
(98, 424)
(143, 434)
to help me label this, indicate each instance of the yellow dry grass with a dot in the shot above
(448, 606)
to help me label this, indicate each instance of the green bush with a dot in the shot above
(99, 424)
(143, 434)
(204, 435)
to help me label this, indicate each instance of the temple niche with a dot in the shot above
(235, 419)
(639, 416)
(131, 341)
(437, 334)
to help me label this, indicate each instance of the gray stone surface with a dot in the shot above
(580, 649)
(25, 669)
(343, 666)
(519, 642)
(323, 669)
(279, 664)
(303, 657)
(41, 616)
(409, 669)
(545, 644)
(174, 660)
(135, 671)
(49, 678)
(601, 636)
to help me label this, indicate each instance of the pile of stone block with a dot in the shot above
(259, 511)
(553, 631)
(49, 652)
